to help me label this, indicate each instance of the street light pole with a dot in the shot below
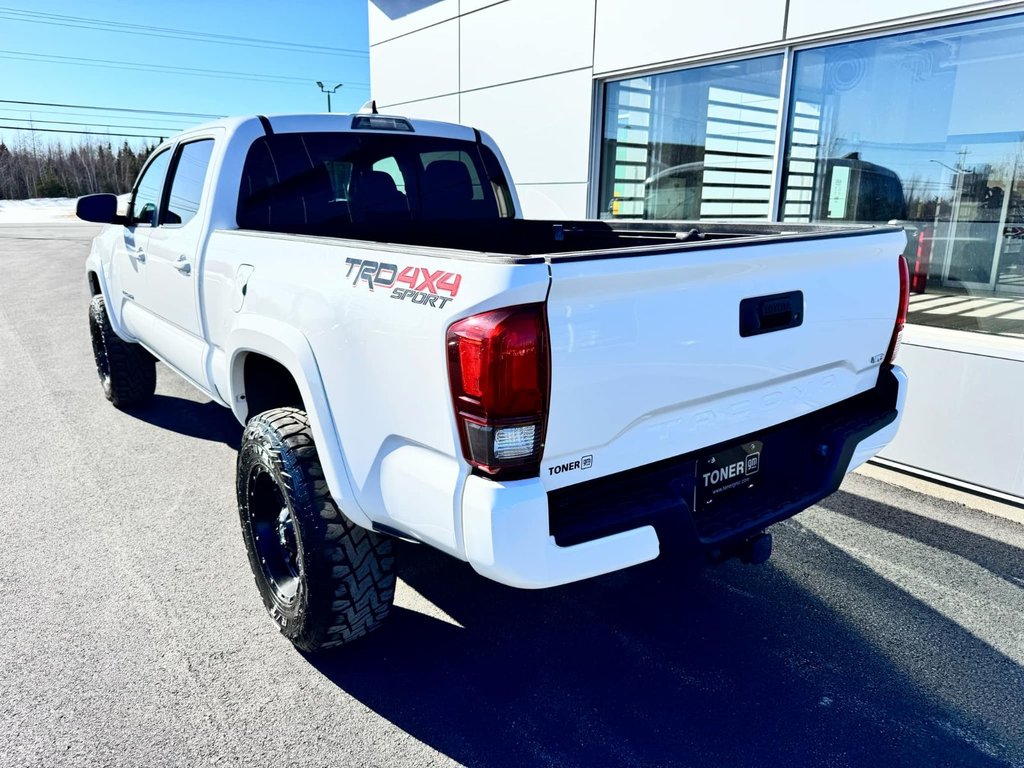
(328, 92)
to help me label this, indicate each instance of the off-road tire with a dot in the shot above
(342, 575)
(127, 371)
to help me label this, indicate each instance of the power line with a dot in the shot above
(137, 67)
(185, 122)
(81, 22)
(32, 120)
(108, 109)
(86, 133)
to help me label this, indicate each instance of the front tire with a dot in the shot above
(127, 371)
(324, 580)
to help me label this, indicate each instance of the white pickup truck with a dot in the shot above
(412, 359)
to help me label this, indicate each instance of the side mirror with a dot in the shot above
(101, 209)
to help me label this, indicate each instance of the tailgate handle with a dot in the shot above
(765, 314)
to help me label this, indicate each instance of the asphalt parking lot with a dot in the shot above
(888, 628)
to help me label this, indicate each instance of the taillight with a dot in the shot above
(901, 312)
(498, 365)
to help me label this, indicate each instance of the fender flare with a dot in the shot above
(288, 346)
(93, 263)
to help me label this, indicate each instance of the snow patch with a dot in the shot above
(39, 210)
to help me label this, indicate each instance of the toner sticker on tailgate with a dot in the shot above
(419, 285)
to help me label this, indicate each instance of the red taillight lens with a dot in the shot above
(922, 261)
(901, 312)
(498, 369)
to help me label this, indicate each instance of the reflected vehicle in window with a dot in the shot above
(856, 190)
(674, 193)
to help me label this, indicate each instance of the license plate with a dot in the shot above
(727, 473)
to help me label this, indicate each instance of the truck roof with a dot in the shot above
(338, 122)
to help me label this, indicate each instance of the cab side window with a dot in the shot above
(146, 200)
(187, 182)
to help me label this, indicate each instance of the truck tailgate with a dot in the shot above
(648, 360)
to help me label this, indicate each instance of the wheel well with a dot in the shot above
(94, 284)
(268, 384)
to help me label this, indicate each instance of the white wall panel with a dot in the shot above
(644, 32)
(553, 201)
(468, 6)
(383, 27)
(808, 17)
(443, 108)
(963, 417)
(417, 66)
(542, 126)
(526, 38)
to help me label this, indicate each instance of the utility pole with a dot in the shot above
(328, 92)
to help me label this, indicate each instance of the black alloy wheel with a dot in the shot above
(127, 371)
(274, 538)
(324, 580)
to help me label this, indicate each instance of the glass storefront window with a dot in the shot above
(928, 128)
(694, 144)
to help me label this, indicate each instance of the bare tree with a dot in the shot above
(29, 169)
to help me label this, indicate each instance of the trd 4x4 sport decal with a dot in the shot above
(425, 286)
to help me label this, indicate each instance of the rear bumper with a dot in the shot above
(507, 539)
(874, 442)
(518, 534)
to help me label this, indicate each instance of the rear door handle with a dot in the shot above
(140, 256)
(183, 265)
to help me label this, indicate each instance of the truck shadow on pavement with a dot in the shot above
(1002, 560)
(205, 421)
(813, 659)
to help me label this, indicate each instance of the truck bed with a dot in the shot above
(569, 238)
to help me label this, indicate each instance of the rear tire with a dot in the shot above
(127, 371)
(324, 580)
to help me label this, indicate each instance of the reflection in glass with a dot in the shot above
(146, 199)
(693, 144)
(926, 128)
(189, 178)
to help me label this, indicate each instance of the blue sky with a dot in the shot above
(57, 57)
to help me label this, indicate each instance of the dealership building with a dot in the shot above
(780, 110)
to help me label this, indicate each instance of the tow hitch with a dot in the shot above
(756, 550)
(752, 551)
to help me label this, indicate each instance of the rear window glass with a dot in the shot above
(326, 183)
